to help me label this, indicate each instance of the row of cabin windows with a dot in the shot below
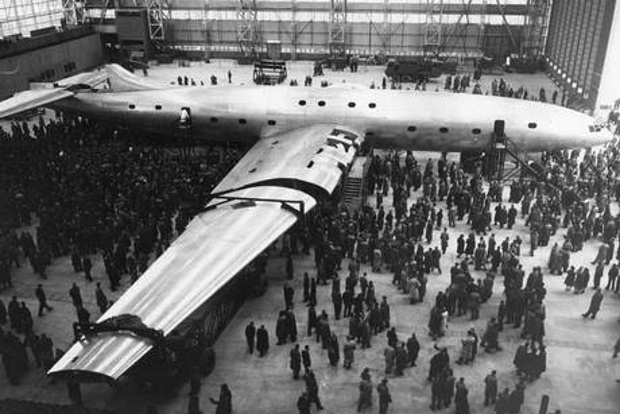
(371, 105)
(475, 131)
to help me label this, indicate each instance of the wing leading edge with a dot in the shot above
(296, 166)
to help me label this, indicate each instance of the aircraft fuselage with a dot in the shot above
(430, 121)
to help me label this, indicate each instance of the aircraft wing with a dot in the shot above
(32, 99)
(284, 174)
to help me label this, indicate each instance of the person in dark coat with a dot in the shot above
(516, 399)
(490, 388)
(337, 301)
(436, 392)
(595, 304)
(281, 328)
(385, 398)
(303, 403)
(3, 313)
(40, 293)
(312, 320)
(250, 334)
(401, 359)
(76, 297)
(460, 398)
(333, 350)
(289, 293)
(448, 388)
(87, 265)
(83, 315)
(413, 349)
(14, 315)
(501, 406)
(224, 404)
(439, 362)
(262, 341)
(295, 362)
(26, 319)
(312, 389)
(291, 326)
(305, 356)
(102, 300)
(306, 284)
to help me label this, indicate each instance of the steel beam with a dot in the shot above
(73, 12)
(247, 24)
(433, 26)
(536, 27)
(337, 27)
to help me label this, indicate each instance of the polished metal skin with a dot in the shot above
(218, 243)
(432, 121)
(304, 140)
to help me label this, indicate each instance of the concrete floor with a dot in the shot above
(580, 376)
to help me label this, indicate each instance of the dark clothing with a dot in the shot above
(413, 348)
(305, 356)
(490, 389)
(42, 301)
(224, 404)
(295, 363)
(102, 300)
(262, 341)
(250, 333)
(76, 297)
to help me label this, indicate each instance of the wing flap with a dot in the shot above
(28, 100)
(197, 264)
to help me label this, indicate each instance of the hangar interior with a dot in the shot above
(563, 47)
(572, 47)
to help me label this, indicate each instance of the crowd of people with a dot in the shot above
(72, 188)
(400, 241)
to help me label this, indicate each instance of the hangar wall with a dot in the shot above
(393, 27)
(577, 43)
(362, 38)
(48, 58)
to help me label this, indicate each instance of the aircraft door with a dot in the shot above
(185, 118)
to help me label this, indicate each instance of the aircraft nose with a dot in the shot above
(603, 137)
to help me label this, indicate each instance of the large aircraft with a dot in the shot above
(304, 140)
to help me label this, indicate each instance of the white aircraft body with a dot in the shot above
(304, 140)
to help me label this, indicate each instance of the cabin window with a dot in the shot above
(243, 121)
(214, 120)
(351, 104)
(443, 130)
(476, 131)
(132, 106)
(310, 164)
(372, 105)
(271, 122)
(253, 170)
(370, 134)
(158, 107)
(532, 125)
(302, 102)
(411, 128)
(319, 151)
(321, 103)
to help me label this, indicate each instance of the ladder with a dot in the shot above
(352, 193)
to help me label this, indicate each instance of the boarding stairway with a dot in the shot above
(524, 165)
(353, 192)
